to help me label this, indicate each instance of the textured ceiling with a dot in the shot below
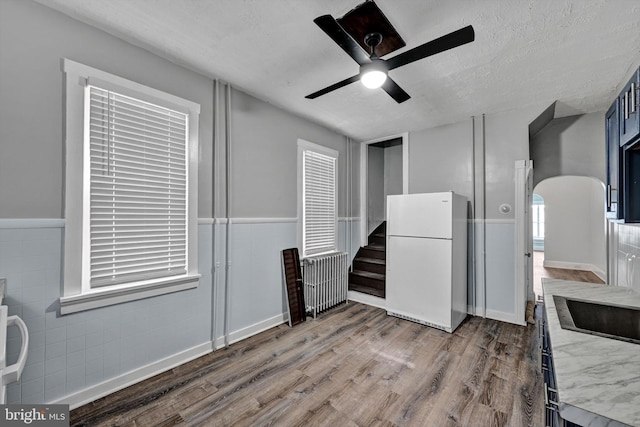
(526, 54)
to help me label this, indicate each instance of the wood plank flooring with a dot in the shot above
(353, 366)
(540, 271)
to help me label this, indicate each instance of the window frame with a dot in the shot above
(319, 149)
(77, 295)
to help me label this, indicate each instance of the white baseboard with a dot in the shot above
(256, 328)
(105, 388)
(576, 266)
(504, 317)
(367, 299)
(252, 330)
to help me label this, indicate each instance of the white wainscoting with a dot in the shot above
(500, 271)
(72, 355)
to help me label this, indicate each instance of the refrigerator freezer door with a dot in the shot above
(418, 280)
(420, 215)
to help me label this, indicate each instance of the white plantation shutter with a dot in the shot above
(319, 213)
(138, 190)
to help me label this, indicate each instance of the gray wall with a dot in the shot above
(392, 172)
(71, 354)
(476, 158)
(68, 354)
(264, 152)
(506, 140)
(570, 146)
(33, 39)
(375, 187)
(441, 159)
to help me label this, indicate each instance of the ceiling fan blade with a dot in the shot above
(449, 41)
(330, 26)
(334, 87)
(395, 91)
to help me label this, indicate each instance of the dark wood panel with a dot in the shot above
(355, 366)
(293, 283)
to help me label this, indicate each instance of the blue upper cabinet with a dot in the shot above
(614, 205)
(628, 110)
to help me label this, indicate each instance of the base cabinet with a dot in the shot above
(551, 397)
(614, 170)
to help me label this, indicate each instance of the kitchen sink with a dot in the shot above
(614, 321)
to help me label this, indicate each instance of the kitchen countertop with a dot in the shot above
(598, 379)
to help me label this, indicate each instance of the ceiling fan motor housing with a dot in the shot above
(373, 40)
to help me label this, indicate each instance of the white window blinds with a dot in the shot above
(138, 190)
(319, 213)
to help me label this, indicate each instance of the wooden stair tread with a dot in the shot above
(368, 274)
(367, 290)
(369, 265)
(370, 260)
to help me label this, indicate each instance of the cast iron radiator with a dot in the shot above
(326, 281)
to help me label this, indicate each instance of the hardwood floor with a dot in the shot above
(540, 271)
(353, 366)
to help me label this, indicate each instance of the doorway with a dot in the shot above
(390, 165)
(384, 178)
(383, 172)
(570, 224)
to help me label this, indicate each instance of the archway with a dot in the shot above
(574, 230)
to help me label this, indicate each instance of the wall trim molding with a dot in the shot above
(94, 392)
(262, 220)
(60, 222)
(504, 317)
(493, 221)
(348, 218)
(210, 221)
(367, 299)
(32, 222)
(256, 328)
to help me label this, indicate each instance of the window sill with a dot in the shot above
(105, 297)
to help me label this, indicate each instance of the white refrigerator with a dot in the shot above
(426, 273)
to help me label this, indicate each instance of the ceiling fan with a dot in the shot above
(367, 20)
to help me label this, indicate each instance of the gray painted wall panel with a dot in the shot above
(441, 159)
(264, 152)
(376, 213)
(33, 39)
(392, 172)
(506, 140)
(570, 146)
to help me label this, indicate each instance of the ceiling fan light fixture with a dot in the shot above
(373, 75)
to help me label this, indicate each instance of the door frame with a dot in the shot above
(524, 243)
(364, 161)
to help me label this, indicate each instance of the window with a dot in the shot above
(318, 207)
(131, 220)
(537, 216)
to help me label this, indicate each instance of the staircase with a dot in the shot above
(369, 265)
